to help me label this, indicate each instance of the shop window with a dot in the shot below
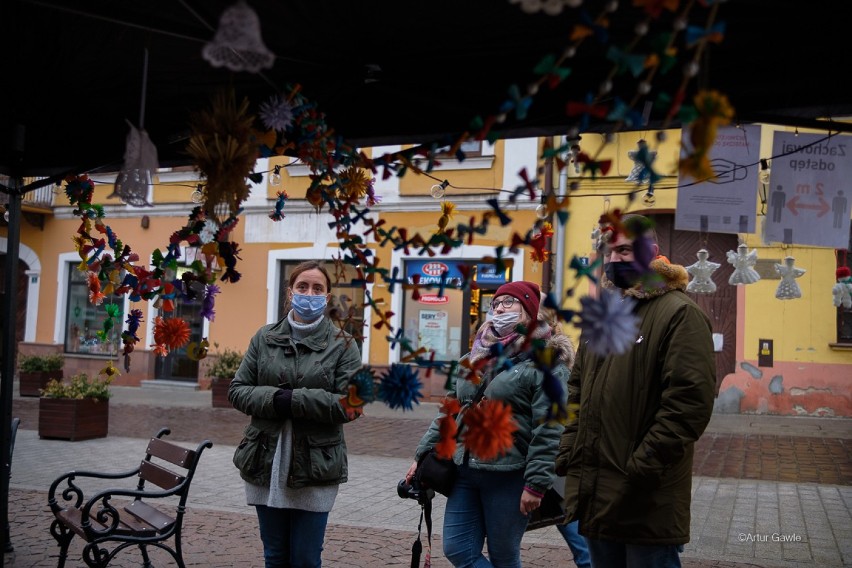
(346, 306)
(445, 323)
(471, 149)
(84, 320)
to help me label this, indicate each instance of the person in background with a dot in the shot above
(627, 453)
(493, 498)
(293, 455)
(577, 543)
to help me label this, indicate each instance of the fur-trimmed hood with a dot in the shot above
(558, 341)
(663, 277)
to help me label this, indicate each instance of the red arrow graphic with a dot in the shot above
(793, 205)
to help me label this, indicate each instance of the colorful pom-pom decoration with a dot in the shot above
(488, 429)
(400, 387)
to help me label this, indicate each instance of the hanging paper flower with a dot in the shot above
(110, 371)
(714, 110)
(539, 252)
(447, 428)
(95, 295)
(276, 113)
(488, 429)
(207, 304)
(171, 333)
(277, 213)
(198, 350)
(354, 182)
(208, 231)
(608, 323)
(447, 210)
(364, 383)
(400, 387)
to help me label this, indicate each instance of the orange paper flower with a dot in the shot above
(447, 428)
(172, 333)
(488, 429)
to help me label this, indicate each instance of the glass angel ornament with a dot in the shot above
(702, 283)
(743, 261)
(788, 288)
(842, 290)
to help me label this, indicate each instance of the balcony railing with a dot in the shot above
(40, 199)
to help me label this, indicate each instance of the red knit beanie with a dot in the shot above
(527, 293)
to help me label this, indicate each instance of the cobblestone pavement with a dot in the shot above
(752, 476)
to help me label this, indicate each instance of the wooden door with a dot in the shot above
(21, 304)
(721, 307)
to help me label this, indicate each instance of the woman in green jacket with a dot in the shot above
(293, 455)
(493, 498)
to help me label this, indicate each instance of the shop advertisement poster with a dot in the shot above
(808, 198)
(433, 331)
(727, 203)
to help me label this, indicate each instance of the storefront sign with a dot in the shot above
(432, 272)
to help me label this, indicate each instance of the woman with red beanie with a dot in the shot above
(492, 498)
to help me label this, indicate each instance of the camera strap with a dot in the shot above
(417, 547)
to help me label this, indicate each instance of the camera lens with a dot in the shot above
(403, 489)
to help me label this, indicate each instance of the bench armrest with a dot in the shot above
(73, 492)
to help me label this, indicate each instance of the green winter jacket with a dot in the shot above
(627, 454)
(535, 440)
(318, 369)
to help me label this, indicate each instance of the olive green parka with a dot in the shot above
(522, 387)
(318, 369)
(627, 453)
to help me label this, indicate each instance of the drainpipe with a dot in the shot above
(558, 230)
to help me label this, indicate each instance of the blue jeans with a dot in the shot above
(485, 504)
(608, 554)
(291, 538)
(578, 545)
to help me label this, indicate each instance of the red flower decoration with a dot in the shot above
(172, 333)
(489, 428)
(447, 428)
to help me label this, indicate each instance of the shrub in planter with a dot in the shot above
(76, 410)
(35, 371)
(221, 372)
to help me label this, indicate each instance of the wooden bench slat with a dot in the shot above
(171, 452)
(127, 525)
(159, 475)
(150, 515)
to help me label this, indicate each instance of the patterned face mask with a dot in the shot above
(309, 307)
(505, 323)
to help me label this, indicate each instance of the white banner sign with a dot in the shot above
(728, 203)
(809, 190)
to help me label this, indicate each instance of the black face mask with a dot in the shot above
(623, 274)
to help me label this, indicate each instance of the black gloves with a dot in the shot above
(281, 402)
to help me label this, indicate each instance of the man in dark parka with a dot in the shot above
(627, 452)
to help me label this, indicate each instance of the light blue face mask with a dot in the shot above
(309, 307)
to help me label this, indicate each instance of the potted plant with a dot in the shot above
(76, 410)
(221, 372)
(35, 371)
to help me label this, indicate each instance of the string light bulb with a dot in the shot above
(275, 176)
(198, 195)
(541, 211)
(6, 215)
(437, 191)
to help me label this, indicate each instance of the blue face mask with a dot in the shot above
(307, 307)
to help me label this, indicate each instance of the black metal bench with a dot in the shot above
(120, 518)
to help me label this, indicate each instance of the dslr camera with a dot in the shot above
(414, 490)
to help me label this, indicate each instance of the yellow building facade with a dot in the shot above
(807, 371)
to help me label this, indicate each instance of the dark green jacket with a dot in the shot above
(627, 454)
(318, 369)
(535, 440)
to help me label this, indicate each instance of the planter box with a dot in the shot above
(72, 419)
(219, 388)
(30, 383)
